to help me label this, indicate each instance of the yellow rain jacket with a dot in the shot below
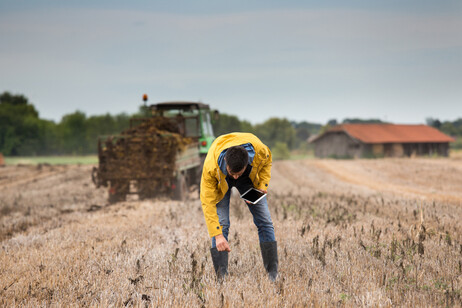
(213, 181)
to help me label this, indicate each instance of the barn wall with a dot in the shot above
(443, 148)
(426, 149)
(404, 149)
(393, 150)
(337, 144)
(341, 145)
(378, 149)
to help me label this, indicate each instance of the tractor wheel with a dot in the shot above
(94, 177)
(181, 191)
(118, 191)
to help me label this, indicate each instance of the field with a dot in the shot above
(350, 233)
(52, 160)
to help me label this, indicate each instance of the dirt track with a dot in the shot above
(63, 243)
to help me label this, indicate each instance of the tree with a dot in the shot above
(280, 151)
(458, 125)
(302, 134)
(304, 130)
(97, 126)
(143, 112)
(49, 138)
(332, 122)
(449, 128)
(276, 130)
(230, 123)
(19, 124)
(311, 128)
(366, 121)
(72, 132)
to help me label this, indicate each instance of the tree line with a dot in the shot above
(24, 133)
(453, 128)
(280, 134)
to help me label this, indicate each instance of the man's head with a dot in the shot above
(236, 159)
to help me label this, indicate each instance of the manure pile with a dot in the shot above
(146, 151)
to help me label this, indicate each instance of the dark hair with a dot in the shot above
(236, 158)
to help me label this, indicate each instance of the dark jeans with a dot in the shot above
(260, 211)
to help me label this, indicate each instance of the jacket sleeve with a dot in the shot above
(208, 196)
(264, 173)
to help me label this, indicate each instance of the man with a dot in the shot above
(238, 160)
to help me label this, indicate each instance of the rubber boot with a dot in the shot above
(220, 262)
(269, 252)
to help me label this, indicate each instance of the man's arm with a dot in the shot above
(208, 200)
(264, 173)
(208, 196)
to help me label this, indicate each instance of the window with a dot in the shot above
(192, 127)
(206, 126)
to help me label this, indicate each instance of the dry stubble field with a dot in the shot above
(350, 232)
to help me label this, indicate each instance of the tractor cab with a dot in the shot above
(194, 120)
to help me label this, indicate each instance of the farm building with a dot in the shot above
(381, 140)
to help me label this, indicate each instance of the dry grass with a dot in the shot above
(455, 153)
(340, 242)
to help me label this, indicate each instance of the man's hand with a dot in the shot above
(222, 244)
(264, 191)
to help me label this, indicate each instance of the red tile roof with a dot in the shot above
(392, 133)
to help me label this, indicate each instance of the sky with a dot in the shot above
(393, 60)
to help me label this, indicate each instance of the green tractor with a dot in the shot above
(198, 120)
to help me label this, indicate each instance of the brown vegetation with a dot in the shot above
(354, 232)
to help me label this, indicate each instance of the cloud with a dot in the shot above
(324, 55)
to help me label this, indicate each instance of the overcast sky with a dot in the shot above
(399, 61)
